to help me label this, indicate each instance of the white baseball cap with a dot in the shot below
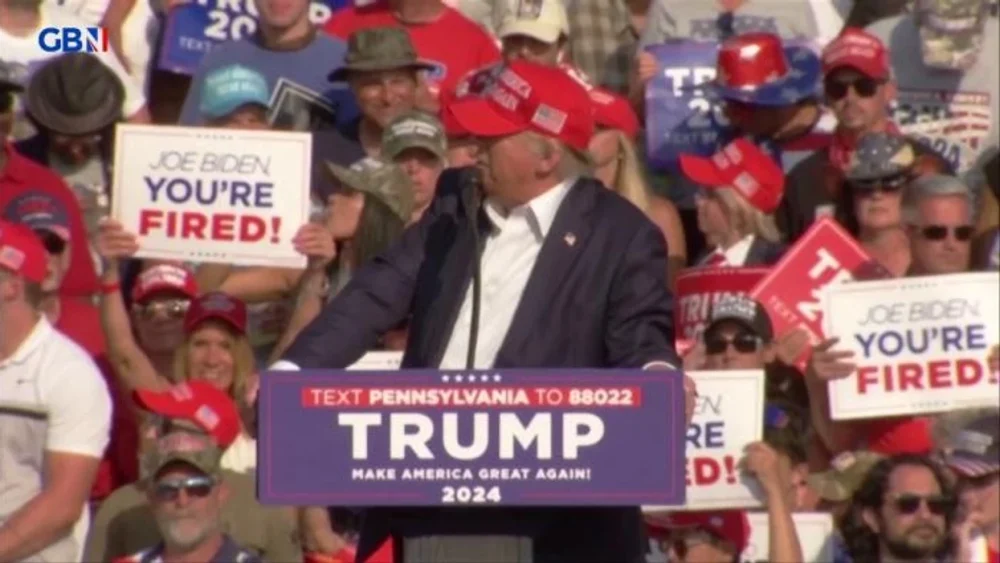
(544, 20)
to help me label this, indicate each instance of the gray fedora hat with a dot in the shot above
(74, 94)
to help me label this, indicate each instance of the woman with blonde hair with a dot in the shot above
(741, 186)
(207, 334)
(617, 165)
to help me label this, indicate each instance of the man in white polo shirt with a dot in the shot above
(55, 415)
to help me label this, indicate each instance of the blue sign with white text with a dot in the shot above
(193, 29)
(556, 437)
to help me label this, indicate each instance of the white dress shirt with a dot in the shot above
(736, 255)
(509, 256)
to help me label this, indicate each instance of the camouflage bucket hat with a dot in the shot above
(847, 471)
(378, 48)
(414, 130)
(880, 155)
(385, 182)
(951, 32)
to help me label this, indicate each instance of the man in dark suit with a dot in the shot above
(572, 275)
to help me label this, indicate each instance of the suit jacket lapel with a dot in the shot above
(454, 275)
(564, 243)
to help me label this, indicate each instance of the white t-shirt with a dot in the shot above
(89, 11)
(52, 399)
(25, 56)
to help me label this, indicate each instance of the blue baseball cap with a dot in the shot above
(230, 87)
(39, 211)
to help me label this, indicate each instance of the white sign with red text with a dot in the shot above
(729, 415)
(213, 195)
(921, 344)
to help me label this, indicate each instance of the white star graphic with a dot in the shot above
(458, 379)
(497, 377)
(445, 378)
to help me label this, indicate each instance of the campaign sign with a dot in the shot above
(552, 437)
(379, 360)
(815, 531)
(213, 195)
(955, 124)
(193, 28)
(680, 117)
(698, 290)
(825, 255)
(921, 344)
(728, 416)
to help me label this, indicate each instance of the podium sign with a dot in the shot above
(555, 437)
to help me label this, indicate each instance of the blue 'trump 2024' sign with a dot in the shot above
(429, 438)
(192, 29)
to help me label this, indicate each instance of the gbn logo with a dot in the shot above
(73, 40)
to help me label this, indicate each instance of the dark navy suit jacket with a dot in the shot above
(601, 301)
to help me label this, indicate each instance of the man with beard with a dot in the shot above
(903, 511)
(185, 488)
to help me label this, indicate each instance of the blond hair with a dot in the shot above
(629, 181)
(243, 364)
(745, 218)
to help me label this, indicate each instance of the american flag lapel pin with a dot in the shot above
(570, 239)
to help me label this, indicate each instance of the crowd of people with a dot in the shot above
(128, 386)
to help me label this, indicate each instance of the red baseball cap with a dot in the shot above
(529, 96)
(21, 252)
(909, 435)
(164, 278)
(198, 402)
(742, 166)
(219, 306)
(732, 526)
(856, 48)
(614, 112)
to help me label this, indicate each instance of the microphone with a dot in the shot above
(472, 189)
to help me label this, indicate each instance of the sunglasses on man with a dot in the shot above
(169, 308)
(53, 243)
(863, 87)
(937, 505)
(961, 233)
(889, 185)
(199, 486)
(744, 343)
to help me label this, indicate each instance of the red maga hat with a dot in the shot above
(856, 48)
(614, 112)
(21, 252)
(756, 68)
(164, 278)
(527, 96)
(742, 166)
(198, 402)
(732, 526)
(218, 306)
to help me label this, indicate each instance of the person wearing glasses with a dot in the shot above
(904, 510)
(191, 426)
(939, 212)
(881, 166)
(859, 90)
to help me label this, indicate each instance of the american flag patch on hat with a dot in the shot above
(207, 416)
(549, 118)
(11, 257)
